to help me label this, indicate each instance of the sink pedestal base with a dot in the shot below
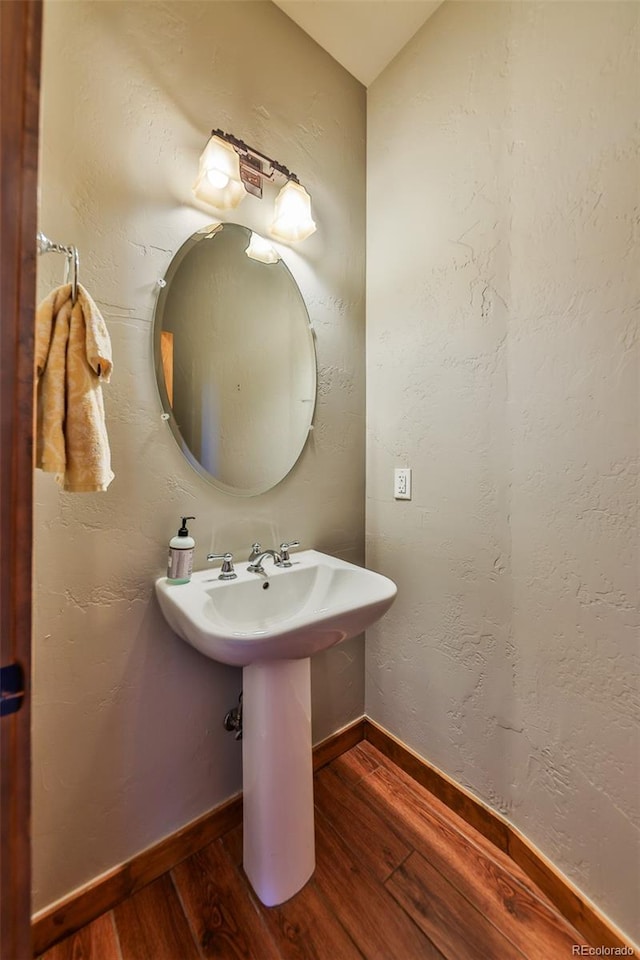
(279, 847)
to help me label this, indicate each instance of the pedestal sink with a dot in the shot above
(270, 626)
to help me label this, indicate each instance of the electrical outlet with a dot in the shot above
(402, 483)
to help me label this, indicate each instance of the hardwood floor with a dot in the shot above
(399, 876)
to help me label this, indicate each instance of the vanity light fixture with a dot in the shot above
(260, 249)
(230, 168)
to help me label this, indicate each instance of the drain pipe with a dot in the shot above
(233, 719)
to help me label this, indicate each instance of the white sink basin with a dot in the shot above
(271, 625)
(290, 613)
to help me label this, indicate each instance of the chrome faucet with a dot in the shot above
(258, 555)
(280, 557)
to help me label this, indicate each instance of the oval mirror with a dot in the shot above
(235, 361)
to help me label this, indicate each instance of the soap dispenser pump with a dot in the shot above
(181, 555)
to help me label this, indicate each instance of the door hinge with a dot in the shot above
(11, 689)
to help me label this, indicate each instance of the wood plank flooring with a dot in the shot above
(399, 876)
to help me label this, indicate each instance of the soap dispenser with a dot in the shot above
(181, 555)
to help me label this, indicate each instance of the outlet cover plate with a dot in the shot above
(402, 483)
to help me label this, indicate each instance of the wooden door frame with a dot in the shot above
(20, 51)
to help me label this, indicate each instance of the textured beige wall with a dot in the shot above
(502, 366)
(128, 738)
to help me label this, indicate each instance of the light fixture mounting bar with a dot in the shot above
(260, 162)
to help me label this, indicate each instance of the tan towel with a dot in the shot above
(73, 355)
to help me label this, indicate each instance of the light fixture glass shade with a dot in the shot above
(219, 182)
(260, 249)
(292, 220)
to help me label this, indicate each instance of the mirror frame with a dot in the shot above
(167, 411)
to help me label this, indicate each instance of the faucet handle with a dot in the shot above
(256, 550)
(284, 552)
(227, 572)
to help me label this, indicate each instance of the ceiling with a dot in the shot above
(363, 35)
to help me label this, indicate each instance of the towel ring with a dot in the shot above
(72, 265)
